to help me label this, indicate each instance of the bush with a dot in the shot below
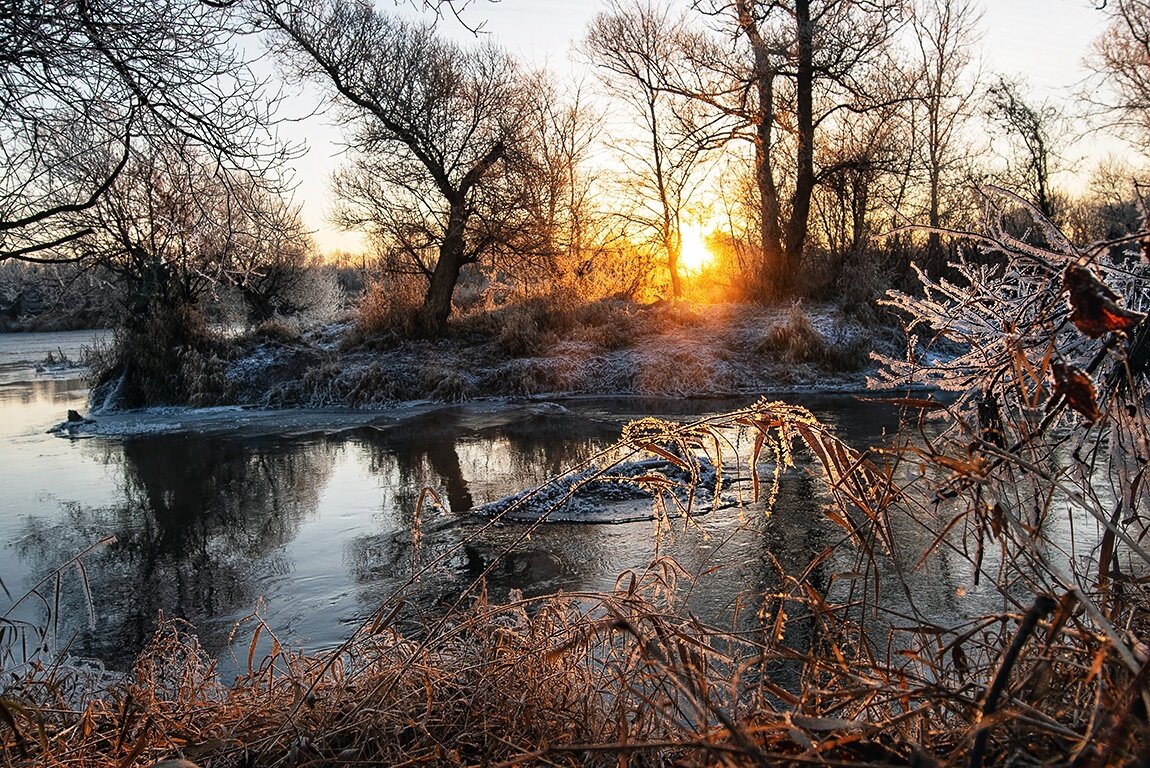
(389, 306)
(276, 328)
(159, 360)
(795, 340)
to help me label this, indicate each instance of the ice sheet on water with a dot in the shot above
(623, 492)
(251, 422)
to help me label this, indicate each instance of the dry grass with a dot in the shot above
(389, 306)
(630, 677)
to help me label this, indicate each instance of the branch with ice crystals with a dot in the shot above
(1004, 325)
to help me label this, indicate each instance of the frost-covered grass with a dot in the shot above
(548, 346)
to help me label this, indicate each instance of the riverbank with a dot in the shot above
(605, 348)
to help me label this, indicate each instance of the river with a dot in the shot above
(308, 517)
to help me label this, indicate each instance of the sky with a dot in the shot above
(1042, 42)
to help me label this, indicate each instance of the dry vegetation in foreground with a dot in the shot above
(1030, 491)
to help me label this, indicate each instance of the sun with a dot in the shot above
(696, 255)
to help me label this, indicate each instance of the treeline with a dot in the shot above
(142, 148)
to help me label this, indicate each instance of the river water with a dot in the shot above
(308, 517)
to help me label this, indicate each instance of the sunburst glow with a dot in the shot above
(696, 255)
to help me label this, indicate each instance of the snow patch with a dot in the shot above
(624, 492)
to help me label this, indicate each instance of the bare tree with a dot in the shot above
(862, 156)
(429, 120)
(1122, 61)
(1030, 127)
(944, 35)
(174, 225)
(797, 65)
(80, 78)
(633, 44)
(550, 184)
(272, 261)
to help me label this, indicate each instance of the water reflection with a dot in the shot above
(470, 461)
(323, 528)
(474, 460)
(202, 524)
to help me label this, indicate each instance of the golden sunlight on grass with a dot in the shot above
(696, 254)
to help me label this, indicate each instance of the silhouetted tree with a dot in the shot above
(84, 79)
(944, 35)
(430, 122)
(1030, 127)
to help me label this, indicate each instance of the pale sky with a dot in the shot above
(1042, 42)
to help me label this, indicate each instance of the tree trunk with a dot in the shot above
(432, 317)
(796, 234)
(673, 245)
(773, 279)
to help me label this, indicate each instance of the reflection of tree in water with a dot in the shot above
(469, 463)
(800, 547)
(202, 521)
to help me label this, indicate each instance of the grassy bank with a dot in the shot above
(543, 346)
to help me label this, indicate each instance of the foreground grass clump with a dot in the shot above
(569, 681)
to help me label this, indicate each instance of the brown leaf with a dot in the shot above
(974, 466)
(1094, 306)
(1077, 387)
(961, 663)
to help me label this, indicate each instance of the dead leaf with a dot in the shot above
(1094, 305)
(961, 663)
(973, 466)
(1077, 387)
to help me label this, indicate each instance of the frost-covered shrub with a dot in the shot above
(794, 340)
(318, 297)
(1011, 322)
(159, 360)
(442, 382)
(1039, 470)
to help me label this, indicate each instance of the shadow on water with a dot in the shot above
(321, 527)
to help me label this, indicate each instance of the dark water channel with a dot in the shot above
(311, 522)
